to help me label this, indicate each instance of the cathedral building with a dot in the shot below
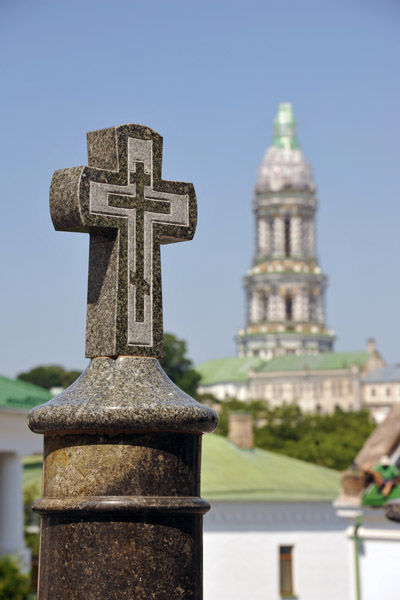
(285, 286)
(285, 351)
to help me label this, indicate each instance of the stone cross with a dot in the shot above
(121, 200)
(121, 512)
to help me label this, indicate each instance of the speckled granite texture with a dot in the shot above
(121, 512)
(121, 517)
(121, 200)
(122, 558)
(123, 394)
(158, 464)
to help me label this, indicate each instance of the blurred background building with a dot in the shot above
(285, 352)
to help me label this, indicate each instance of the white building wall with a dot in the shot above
(15, 436)
(226, 391)
(379, 550)
(380, 397)
(379, 563)
(11, 505)
(241, 551)
(16, 440)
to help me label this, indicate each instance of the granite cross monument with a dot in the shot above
(121, 512)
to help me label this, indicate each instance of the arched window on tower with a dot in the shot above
(287, 237)
(288, 307)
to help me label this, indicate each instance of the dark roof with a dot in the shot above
(383, 375)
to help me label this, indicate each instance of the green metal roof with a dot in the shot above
(15, 393)
(228, 369)
(285, 127)
(320, 362)
(230, 473)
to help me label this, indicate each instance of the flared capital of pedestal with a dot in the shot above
(124, 394)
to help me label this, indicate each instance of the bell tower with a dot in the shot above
(285, 286)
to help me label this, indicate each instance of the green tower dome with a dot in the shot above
(284, 165)
(285, 128)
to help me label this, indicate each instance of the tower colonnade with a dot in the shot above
(284, 233)
(286, 303)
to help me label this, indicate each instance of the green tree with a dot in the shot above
(14, 585)
(48, 376)
(177, 366)
(330, 440)
(32, 492)
(69, 378)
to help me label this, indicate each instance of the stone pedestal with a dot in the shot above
(121, 508)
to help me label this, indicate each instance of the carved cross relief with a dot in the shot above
(121, 200)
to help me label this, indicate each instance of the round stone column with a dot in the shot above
(311, 234)
(320, 309)
(298, 306)
(257, 306)
(278, 236)
(264, 237)
(295, 228)
(121, 508)
(305, 227)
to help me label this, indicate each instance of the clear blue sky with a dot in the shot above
(208, 76)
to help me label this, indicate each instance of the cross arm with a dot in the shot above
(65, 208)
